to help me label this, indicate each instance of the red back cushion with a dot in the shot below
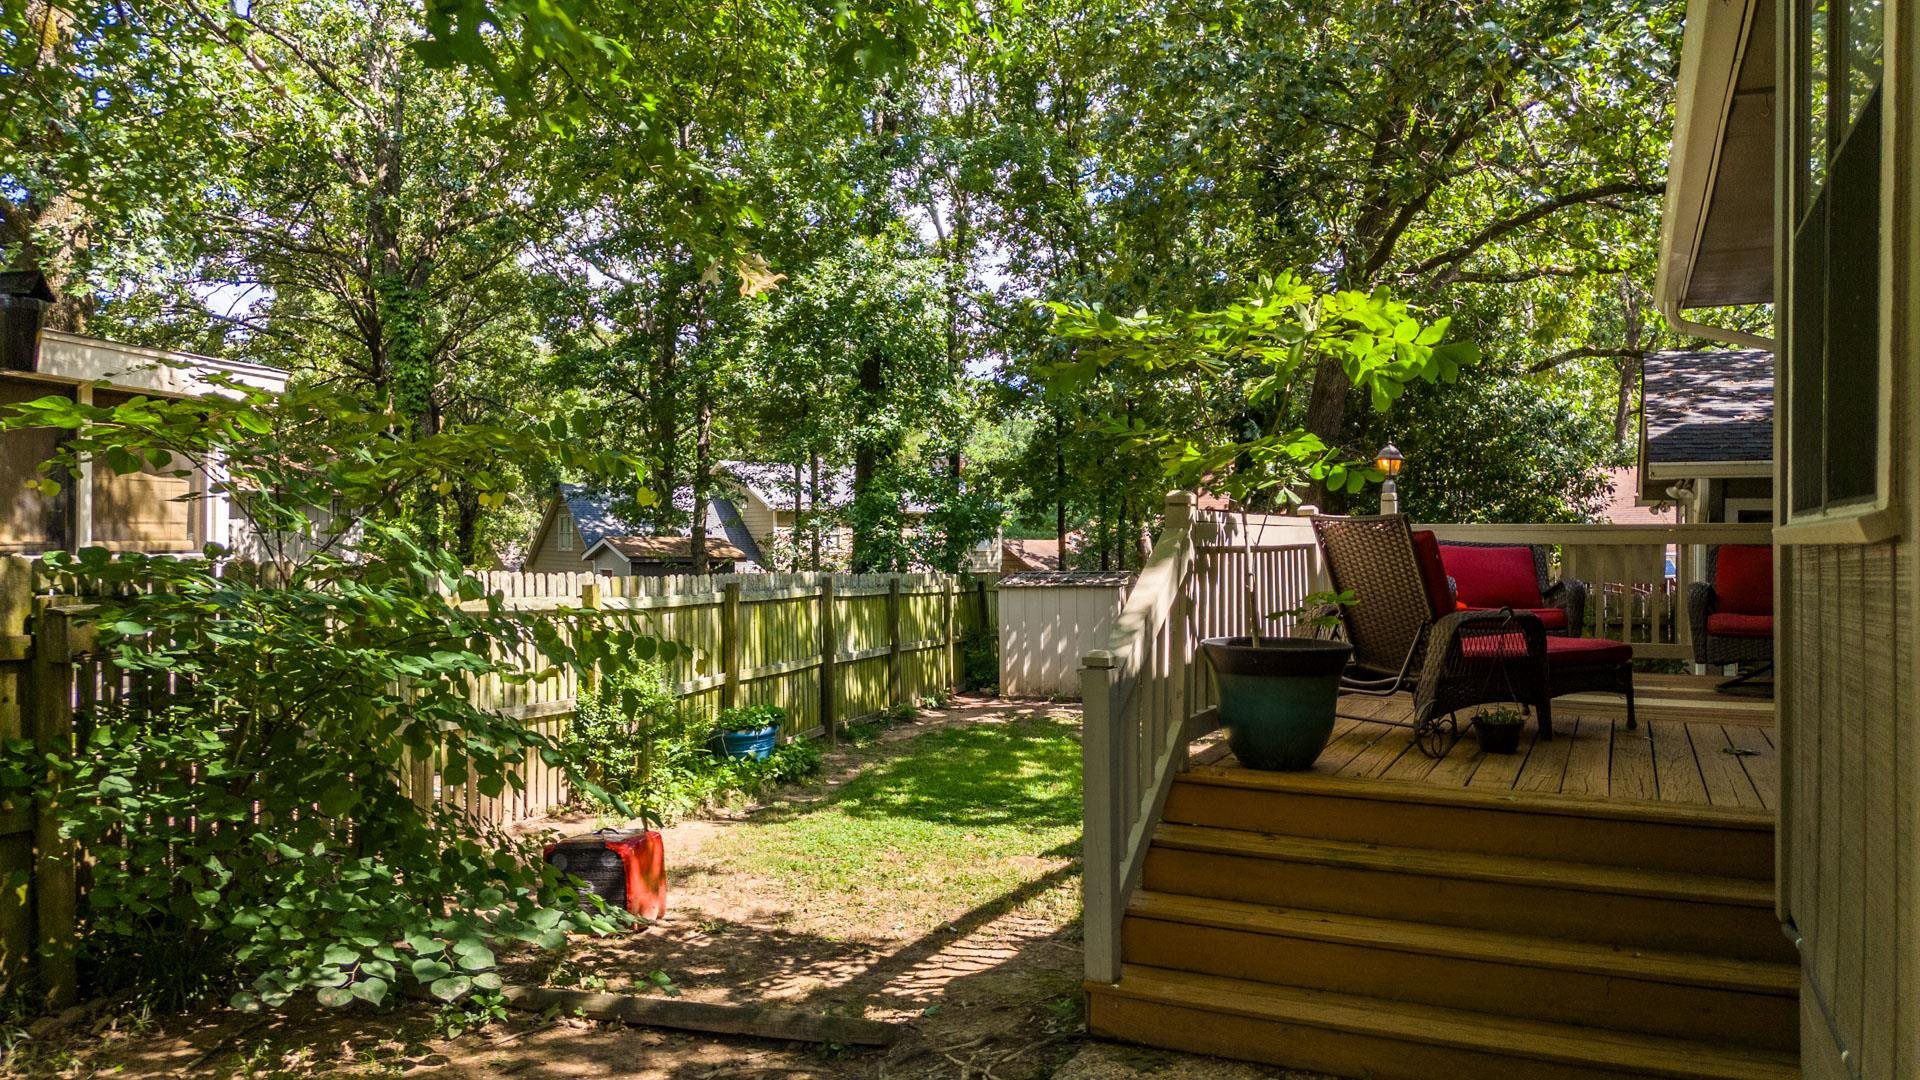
(1433, 573)
(1743, 579)
(1493, 577)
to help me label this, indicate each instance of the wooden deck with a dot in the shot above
(1693, 746)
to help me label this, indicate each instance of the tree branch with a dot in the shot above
(1585, 352)
(1452, 257)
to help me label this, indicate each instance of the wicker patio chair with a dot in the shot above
(1403, 639)
(1567, 595)
(1732, 620)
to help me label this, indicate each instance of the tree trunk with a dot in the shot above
(1629, 365)
(869, 456)
(702, 476)
(793, 534)
(813, 507)
(1060, 491)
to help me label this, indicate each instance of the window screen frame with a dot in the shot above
(1870, 517)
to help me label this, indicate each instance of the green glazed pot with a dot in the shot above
(1277, 697)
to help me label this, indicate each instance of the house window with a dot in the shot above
(565, 538)
(1835, 424)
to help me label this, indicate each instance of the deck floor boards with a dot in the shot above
(1693, 745)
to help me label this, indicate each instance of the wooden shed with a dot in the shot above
(1048, 620)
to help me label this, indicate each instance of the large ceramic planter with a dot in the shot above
(756, 743)
(1277, 697)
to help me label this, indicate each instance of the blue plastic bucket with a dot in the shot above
(749, 744)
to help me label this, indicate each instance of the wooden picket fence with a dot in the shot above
(829, 649)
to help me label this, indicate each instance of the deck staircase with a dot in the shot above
(1389, 930)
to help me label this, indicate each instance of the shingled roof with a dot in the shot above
(1708, 406)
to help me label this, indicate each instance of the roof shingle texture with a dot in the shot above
(1708, 406)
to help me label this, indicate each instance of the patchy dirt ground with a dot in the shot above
(984, 981)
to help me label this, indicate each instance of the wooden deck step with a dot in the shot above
(1654, 909)
(1352, 1035)
(1660, 836)
(1683, 995)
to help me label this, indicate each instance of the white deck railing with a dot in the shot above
(1630, 597)
(1149, 693)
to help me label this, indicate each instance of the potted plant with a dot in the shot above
(1277, 694)
(1498, 730)
(748, 731)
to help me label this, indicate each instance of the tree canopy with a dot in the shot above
(874, 236)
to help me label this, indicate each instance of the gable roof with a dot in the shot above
(594, 521)
(666, 548)
(1714, 406)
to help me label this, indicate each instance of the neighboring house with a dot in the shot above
(150, 511)
(1020, 556)
(1706, 433)
(655, 556)
(757, 509)
(580, 531)
(1626, 506)
(1793, 181)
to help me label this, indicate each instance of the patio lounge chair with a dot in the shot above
(1731, 612)
(1493, 576)
(1407, 635)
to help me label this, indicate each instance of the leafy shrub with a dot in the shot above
(657, 759)
(750, 718)
(250, 816)
(980, 660)
(616, 727)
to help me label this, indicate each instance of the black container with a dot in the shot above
(24, 298)
(1498, 738)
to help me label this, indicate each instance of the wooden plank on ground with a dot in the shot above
(1727, 783)
(1546, 766)
(709, 1016)
(1760, 760)
(1631, 776)
(1674, 765)
(1590, 757)
(1342, 747)
(1381, 754)
(1499, 771)
(1457, 768)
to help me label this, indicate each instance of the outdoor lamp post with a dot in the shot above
(1388, 461)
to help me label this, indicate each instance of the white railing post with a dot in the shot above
(1102, 817)
(1179, 516)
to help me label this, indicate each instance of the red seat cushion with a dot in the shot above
(1493, 577)
(1553, 618)
(1743, 579)
(1562, 652)
(1733, 624)
(1433, 573)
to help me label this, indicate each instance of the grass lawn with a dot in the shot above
(952, 822)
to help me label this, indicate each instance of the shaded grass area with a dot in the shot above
(962, 816)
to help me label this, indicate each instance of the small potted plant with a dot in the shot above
(748, 731)
(1498, 730)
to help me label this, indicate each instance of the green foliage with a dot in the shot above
(613, 732)
(749, 718)
(980, 660)
(250, 805)
(1269, 346)
(1320, 610)
(1499, 718)
(656, 759)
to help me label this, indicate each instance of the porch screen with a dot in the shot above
(1833, 325)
